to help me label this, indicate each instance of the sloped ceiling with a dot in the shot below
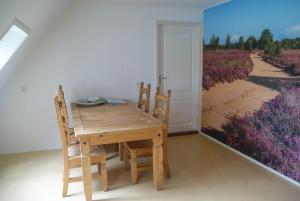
(173, 3)
(38, 15)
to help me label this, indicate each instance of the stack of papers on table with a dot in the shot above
(115, 101)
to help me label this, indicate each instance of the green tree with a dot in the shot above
(241, 43)
(217, 43)
(228, 41)
(212, 41)
(251, 43)
(235, 45)
(273, 49)
(278, 48)
(266, 39)
(286, 43)
(269, 49)
(297, 43)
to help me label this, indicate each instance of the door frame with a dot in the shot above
(198, 61)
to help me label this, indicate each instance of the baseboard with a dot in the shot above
(183, 133)
(289, 180)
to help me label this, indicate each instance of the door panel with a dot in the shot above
(179, 71)
(178, 62)
(182, 107)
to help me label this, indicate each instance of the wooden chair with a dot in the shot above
(139, 149)
(61, 98)
(144, 97)
(143, 104)
(71, 153)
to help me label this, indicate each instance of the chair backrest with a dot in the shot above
(144, 97)
(61, 98)
(162, 106)
(63, 126)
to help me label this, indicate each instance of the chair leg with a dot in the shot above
(166, 161)
(126, 157)
(66, 175)
(103, 172)
(133, 165)
(167, 168)
(116, 146)
(121, 150)
(99, 169)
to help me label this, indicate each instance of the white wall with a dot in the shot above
(39, 15)
(93, 49)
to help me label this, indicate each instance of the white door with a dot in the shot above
(178, 70)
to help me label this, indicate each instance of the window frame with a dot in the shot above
(20, 25)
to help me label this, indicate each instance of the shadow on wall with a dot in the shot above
(274, 83)
(219, 135)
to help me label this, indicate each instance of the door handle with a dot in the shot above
(162, 77)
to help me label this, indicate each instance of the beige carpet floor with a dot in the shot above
(201, 170)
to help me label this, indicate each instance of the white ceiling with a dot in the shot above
(39, 15)
(172, 3)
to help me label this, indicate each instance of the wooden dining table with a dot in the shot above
(107, 124)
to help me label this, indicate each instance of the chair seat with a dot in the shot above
(71, 131)
(98, 154)
(72, 136)
(140, 148)
(140, 144)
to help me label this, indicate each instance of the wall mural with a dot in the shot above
(251, 80)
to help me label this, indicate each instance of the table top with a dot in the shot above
(107, 119)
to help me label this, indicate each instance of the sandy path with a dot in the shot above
(242, 96)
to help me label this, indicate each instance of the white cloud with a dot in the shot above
(294, 29)
(235, 37)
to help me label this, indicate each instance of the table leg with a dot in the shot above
(86, 168)
(121, 151)
(158, 159)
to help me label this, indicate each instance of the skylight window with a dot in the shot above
(12, 40)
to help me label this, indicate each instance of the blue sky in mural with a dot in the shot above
(250, 17)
